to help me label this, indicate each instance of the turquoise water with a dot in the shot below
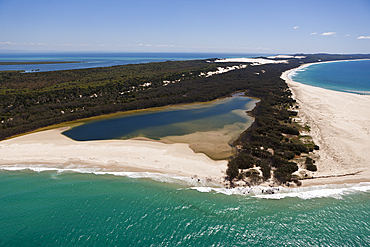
(93, 60)
(72, 209)
(346, 76)
(170, 121)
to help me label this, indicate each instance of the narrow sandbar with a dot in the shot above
(339, 124)
(52, 149)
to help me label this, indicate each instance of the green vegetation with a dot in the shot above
(29, 101)
(273, 141)
(309, 164)
(32, 100)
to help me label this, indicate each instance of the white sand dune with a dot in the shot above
(254, 61)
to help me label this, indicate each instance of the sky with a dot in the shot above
(232, 26)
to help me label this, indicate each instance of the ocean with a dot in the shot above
(43, 206)
(92, 60)
(346, 76)
(54, 208)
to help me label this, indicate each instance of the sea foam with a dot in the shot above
(159, 177)
(201, 185)
(331, 190)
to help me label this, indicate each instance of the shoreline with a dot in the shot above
(185, 156)
(339, 126)
(51, 149)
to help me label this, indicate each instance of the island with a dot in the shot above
(282, 146)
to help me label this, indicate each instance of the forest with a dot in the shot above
(29, 101)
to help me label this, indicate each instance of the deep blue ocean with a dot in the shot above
(40, 206)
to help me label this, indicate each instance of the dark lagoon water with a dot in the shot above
(167, 121)
(43, 206)
(346, 76)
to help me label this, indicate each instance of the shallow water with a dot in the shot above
(168, 121)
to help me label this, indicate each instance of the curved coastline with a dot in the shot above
(339, 124)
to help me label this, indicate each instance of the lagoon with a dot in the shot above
(201, 124)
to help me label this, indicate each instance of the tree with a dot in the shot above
(309, 164)
(232, 171)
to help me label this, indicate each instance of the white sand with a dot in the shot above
(286, 56)
(340, 125)
(254, 61)
(51, 148)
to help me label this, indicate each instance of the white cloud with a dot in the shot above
(348, 35)
(314, 33)
(328, 33)
(364, 37)
(296, 27)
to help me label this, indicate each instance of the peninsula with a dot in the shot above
(274, 142)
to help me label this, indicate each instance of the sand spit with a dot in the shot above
(51, 148)
(340, 125)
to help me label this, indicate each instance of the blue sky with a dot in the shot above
(240, 26)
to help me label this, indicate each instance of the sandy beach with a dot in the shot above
(52, 149)
(340, 125)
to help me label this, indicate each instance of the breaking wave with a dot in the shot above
(331, 190)
(207, 186)
(160, 177)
